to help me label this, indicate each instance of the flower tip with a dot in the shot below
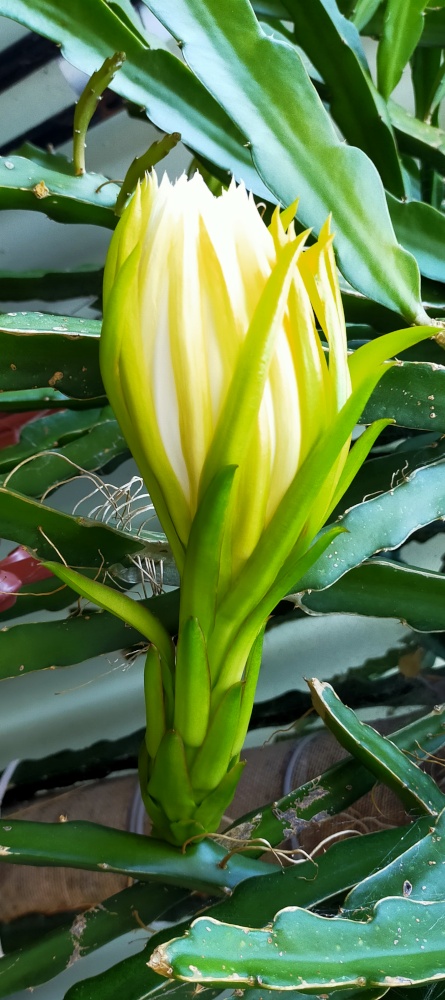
(326, 235)
(239, 186)
(146, 188)
(289, 213)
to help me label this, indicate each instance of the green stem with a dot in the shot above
(142, 164)
(87, 105)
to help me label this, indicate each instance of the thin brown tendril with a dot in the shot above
(53, 546)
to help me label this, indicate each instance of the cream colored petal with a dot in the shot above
(287, 428)
(220, 317)
(245, 249)
(188, 350)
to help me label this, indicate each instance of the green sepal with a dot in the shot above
(154, 701)
(169, 784)
(263, 576)
(213, 807)
(304, 500)
(357, 455)
(143, 767)
(119, 604)
(161, 827)
(144, 774)
(249, 687)
(167, 671)
(213, 757)
(192, 684)
(199, 585)
(373, 354)
(160, 823)
(295, 567)
(183, 830)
